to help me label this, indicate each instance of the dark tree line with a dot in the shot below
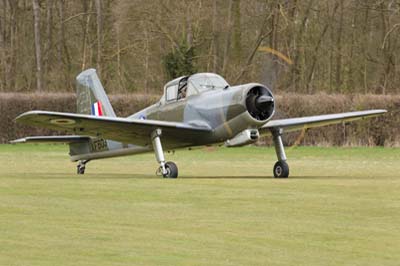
(136, 45)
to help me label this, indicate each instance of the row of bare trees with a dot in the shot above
(304, 46)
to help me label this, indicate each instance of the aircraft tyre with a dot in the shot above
(172, 170)
(281, 169)
(80, 169)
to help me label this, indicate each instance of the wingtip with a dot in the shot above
(381, 111)
(377, 111)
(15, 141)
(20, 116)
(28, 113)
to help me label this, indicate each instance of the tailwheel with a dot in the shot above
(171, 170)
(281, 169)
(80, 168)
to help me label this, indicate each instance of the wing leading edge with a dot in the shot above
(125, 130)
(293, 124)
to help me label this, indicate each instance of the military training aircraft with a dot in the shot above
(196, 110)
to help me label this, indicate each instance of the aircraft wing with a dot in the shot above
(293, 124)
(135, 131)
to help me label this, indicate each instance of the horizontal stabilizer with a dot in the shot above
(52, 139)
(293, 124)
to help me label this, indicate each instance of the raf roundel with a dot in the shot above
(62, 121)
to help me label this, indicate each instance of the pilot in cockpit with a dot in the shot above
(182, 90)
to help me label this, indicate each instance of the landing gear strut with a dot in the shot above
(281, 168)
(81, 167)
(167, 169)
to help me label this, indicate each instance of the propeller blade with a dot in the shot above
(263, 101)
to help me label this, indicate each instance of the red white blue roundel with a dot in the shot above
(97, 109)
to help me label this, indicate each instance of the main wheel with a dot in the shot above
(281, 169)
(172, 170)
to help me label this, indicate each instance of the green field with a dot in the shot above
(341, 206)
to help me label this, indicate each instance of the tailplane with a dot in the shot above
(91, 97)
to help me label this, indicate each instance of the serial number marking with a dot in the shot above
(98, 145)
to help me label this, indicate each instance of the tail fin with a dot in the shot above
(91, 97)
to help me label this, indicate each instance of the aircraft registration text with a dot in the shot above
(98, 145)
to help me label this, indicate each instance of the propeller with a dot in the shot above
(259, 103)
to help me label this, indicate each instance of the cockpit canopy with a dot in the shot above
(186, 86)
(207, 81)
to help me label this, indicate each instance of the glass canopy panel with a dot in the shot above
(204, 82)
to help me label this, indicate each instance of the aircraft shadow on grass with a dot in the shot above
(95, 176)
(272, 177)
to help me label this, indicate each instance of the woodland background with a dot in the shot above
(336, 46)
(318, 56)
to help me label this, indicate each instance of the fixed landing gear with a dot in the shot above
(281, 168)
(166, 169)
(81, 167)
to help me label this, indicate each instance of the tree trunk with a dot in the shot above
(365, 45)
(228, 39)
(99, 34)
(146, 60)
(214, 40)
(3, 46)
(298, 39)
(189, 30)
(237, 31)
(338, 77)
(274, 25)
(86, 34)
(13, 39)
(49, 35)
(119, 56)
(38, 52)
(63, 53)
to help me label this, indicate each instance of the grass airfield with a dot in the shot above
(341, 206)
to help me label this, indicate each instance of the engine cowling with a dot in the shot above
(260, 103)
(249, 107)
